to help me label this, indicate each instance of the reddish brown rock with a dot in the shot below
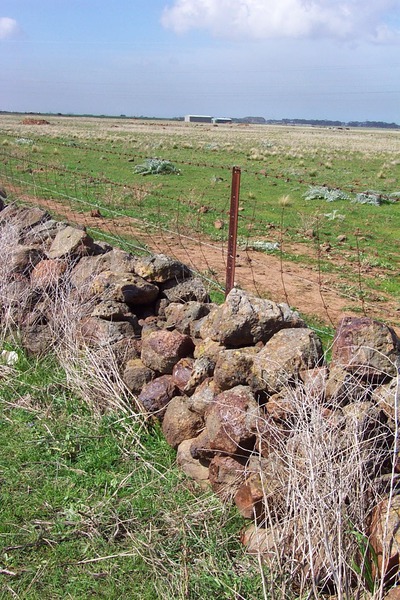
(181, 373)
(226, 475)
(48, 273)
(156, 395)
(385, 537)
(180, 423)
(162, 350)
(233, 421)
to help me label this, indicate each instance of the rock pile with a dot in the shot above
(229, 384)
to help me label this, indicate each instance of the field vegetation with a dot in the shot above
(342, 187)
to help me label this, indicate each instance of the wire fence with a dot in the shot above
(188, 217)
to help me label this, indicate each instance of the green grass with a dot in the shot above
(87, 162)
(90, 507)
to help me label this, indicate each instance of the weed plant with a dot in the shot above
(95, 163)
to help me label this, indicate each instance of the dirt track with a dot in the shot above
(310, 292)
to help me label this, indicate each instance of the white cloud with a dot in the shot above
(262, 19)
(8, 28)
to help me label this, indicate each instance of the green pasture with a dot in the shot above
(91, 507)
(88, 163)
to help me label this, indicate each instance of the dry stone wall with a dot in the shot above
(228, 383)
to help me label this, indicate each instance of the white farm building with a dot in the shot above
(197, 119)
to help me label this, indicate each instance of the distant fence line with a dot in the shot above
(166, 224)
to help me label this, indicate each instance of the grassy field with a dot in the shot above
(89, 162)
(94, 506)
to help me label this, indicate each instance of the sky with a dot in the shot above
(312, 59)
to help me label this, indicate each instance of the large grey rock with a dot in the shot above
(162, 350)
(244, 320)
(159, 268)
(111, 310)
(123, 287)
(203, 397)
(43, 233)
(280, 362)
(182, 316)
(116, 261)
(99, 332)
(70, 242)
(367, 348)
(23, 218)
(185, 291)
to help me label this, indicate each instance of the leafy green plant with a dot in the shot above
(367, 563)
(157, 166)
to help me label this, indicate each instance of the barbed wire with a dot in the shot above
(182, 236)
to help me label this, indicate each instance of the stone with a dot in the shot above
(185, 291)
(249, 497)
(48, 273)
(162, 350)
(203, 397)
(232, 421)
(125, 349)
(233, 366)
(123, 287)
(23, 259)
(366, 348)
(111, 310)
(202, 369)
(192, 467)
(135, 375)
(182, 316)
(93, 331)
(285, 355)
(180, 423)
(244, 320)
(42, 234)
(384, 537)
(314, 382)
(226, 475)
(160, 268)
(386, 397)
(156, 395)
(343, 387)
(24, 218)
(70, 242)
(182, 372)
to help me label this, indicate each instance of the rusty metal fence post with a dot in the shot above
(233, 227)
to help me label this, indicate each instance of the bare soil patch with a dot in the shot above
(314, 294)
